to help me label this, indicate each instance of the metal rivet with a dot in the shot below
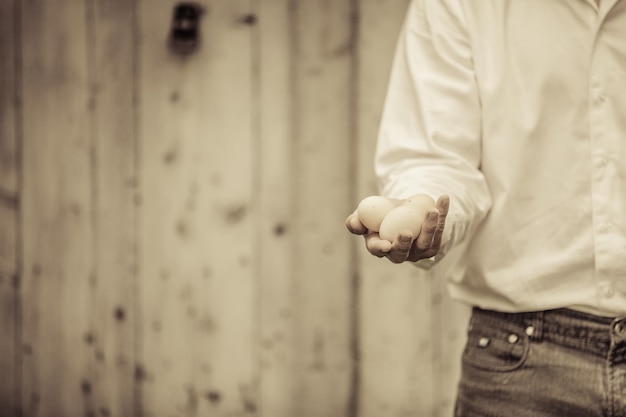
(483, 342)
(530, 330)
(513, 338)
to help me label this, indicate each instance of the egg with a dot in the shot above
(421, 201)
(405, 217)
(371, 211)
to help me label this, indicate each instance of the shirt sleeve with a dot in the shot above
(430, 133)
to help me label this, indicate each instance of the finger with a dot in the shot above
(401, 247)
(441, 224)
(354, 225)
(443, 205)
(417, 253)
(429, 227)
(377, 246)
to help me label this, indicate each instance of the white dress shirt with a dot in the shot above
(517, 110)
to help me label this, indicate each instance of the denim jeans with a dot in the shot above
(557, 363)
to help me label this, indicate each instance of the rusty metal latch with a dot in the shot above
(184, 37)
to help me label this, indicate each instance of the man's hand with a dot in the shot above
(406, 247)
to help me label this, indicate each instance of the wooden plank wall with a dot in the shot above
(171, 227)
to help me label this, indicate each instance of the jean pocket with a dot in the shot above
(496, 345)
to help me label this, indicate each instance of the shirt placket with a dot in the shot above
(603, 173)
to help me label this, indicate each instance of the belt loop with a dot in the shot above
(534, 327)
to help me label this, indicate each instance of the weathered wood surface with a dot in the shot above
(323, 95)
(196, 239)
(9, 208)
(176, 222)
(57, 213)
(275, 263)
(113, 336)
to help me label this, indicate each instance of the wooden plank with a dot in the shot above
(396, 307)
(57, 217)
(8, 309)
(196, 278)
(111, 339)
(276, 326)
(9, 203)
(449, 332)
(8, 145)
(396, 344)
(323, 40)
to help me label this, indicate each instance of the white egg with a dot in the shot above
(420, 200)
(405, 217)
(372, 210)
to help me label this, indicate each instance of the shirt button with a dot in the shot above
(605, 227)
(600, 97)
(530, 330)
(608, 291)
(513, 338)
